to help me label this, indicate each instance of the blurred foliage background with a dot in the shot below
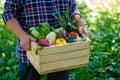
(103, 24)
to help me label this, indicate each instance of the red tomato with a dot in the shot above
(74, 34)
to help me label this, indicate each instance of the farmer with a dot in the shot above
(20, 15)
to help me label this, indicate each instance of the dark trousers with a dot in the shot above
(27, 72)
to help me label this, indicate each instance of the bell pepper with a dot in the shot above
(74, 34)
(60, 41)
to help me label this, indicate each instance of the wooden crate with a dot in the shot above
(58, 58)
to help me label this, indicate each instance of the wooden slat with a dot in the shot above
(64, 56)
(62, 69)
(33, 51)
(34, 48)
(65, 63)
(33, 54)
(65, 48)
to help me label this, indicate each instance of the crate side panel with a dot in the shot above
(63, 56)
(65, 63)
(33, 54)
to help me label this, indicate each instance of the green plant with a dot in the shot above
(65, 19)
(40, 32)
(104, 32)
(8, 67)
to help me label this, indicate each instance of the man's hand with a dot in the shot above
(83, 31)
(79, 23)
(25, 41)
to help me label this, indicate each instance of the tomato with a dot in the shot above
(74, 34)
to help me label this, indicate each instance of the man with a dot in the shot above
(20, 15)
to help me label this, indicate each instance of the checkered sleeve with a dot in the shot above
(10, 8)
(73, 7)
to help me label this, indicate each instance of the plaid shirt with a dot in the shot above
(31, 13)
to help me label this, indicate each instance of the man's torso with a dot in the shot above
(35, 12)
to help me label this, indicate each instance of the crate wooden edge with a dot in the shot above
(36, 48)
(33, 61)
(68, 44)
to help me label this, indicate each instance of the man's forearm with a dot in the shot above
(14, 26)
(78, 21)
